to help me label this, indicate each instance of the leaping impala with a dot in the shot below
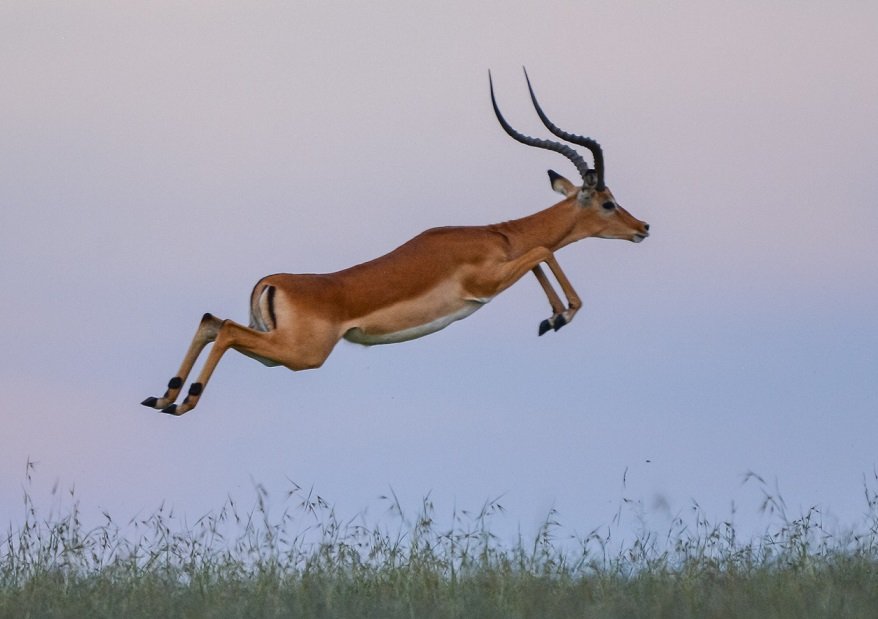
(441, 275)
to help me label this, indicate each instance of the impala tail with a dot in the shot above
(262, 317)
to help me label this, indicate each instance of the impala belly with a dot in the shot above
(409, 320)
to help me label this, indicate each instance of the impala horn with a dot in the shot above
(595, 148)
(577, 160)
(563, 149)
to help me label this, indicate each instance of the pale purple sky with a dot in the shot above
(157, 159)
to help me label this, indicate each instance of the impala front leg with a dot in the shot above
(530, 261)
(560, 316)
(554, 301)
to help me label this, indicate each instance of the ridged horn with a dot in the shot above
(562, 149)
(595, 148)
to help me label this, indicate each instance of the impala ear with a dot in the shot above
(561, 184)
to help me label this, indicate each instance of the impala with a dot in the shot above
(440, 276)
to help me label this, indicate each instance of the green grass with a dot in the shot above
(301, 560)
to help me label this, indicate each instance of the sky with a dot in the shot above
(157, 159)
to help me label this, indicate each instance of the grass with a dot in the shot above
(304, 561)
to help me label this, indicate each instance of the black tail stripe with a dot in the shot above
(271, 307)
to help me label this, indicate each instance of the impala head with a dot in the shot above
(601, 215)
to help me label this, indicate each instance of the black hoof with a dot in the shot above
(170, 410)
(560, 321)
(150, 402)
(545, 326)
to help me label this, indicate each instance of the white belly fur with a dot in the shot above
(358, 336)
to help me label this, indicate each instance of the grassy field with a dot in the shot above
(301, 560)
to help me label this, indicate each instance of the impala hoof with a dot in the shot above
(545, 326)
(560, 321)
(170, 410)
(150, 402)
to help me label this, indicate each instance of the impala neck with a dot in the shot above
(552, 228)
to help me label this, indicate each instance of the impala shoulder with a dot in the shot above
(501, 234)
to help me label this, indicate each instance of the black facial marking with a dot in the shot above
(195, 389)
(175, 383)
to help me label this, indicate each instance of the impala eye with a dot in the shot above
(609, 206)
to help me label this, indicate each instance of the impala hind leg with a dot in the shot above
(301, 349)
(206, 333)
(228, 334)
